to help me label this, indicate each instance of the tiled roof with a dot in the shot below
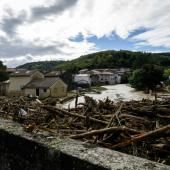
(54, 73)
(41, 83)
(82, 75)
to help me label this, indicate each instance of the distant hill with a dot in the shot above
(116, 59)
(104, 59)
(41, 65)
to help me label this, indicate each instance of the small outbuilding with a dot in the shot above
(47, 87)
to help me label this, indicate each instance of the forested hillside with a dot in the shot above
(105, 59)
(42, 65)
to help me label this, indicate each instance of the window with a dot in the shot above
(45, 90)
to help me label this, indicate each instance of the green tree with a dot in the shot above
(3, 73)
(147, 77)
(167, 76)
(167, 72)
(3, 76)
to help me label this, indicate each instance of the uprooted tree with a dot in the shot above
(148, 77)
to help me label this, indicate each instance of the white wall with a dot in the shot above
(82, 78)
(110, 78)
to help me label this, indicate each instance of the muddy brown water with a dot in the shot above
(114, 92)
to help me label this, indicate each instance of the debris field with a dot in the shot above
(140, 128)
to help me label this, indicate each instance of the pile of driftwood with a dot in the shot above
(140, 128)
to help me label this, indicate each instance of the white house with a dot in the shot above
(82, 79)
(108, 76)
(105, 77)
(100, 76)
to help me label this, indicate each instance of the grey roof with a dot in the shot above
(23, 73)
(54, 73)
(42, 83)
(99, 72)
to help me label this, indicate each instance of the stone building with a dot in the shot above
(47, 87)
(20, 78)
(33, 82)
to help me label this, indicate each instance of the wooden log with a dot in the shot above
(143, 137)
(162, 146)
(103, 131)
(68, 98)
(59, 111)
(135, 117)
(76, 100)
(163, 117)
(115, 115)
(71, 131)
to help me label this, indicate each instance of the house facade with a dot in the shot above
(33, 83)
(82, 79)
(20, 78)
(47, 87)
(102, 76)
(106, 78)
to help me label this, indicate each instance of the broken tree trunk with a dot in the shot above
(145, 136)
(115, 115)
(103, 131)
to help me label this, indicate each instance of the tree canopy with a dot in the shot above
(147, 77)
(3, 74)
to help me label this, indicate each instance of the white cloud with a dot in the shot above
(87, 18)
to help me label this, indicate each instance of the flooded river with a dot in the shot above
(113, 92)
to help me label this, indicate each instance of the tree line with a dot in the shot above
(104, 59)
(116, 59)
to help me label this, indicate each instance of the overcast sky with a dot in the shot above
(33, 30)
